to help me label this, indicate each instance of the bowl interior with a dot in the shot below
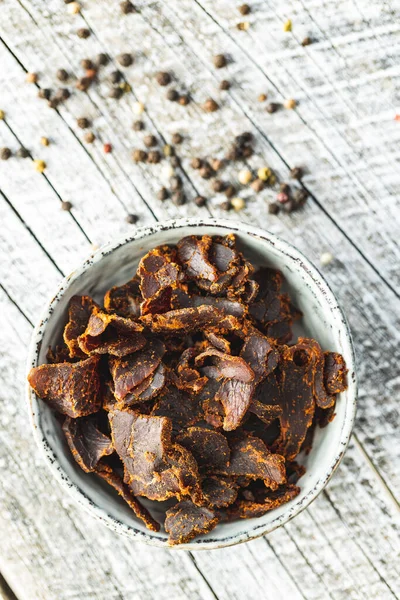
(114, 265)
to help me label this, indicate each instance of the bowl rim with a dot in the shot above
(80, 495)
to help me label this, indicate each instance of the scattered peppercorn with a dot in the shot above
(138, 125)
(89, 137)
(175, 161)
(125, 59)
(53, 103)
(138, 108)
(326, 258)
(238, 203)
(300, 197)
(83, 33)
(127, 7)
(74, 8)
(178, 198)
(285, 188)
(264, 173)
(245, 176)
(87, 63)
(107, 148)
(287, 26)
(65, 205)
(262, 97)
(139, 155)
(206, 172)
(288, 206)
(162, 194)
(150, 140)
(177, 138)
(219, 61)
(44, 93)
(91, 73)
(282, 197)
(83, 123)
(243, 26)
(184, 99)
(62, 94)
(62, 75)
(168, 150)
(45, 141)
(290, 103)
(258, 185)
(175, 183)
(273, 208)
(244, 138)
(39, 165)
(234, 153)
(226, 205)
(163, 78)
(244, 9)
(200, 201)
(218, 186)
(5, 153)
(172, 95)
(2, 115)
(196, 163)
(224, 85)
(101, 59)
(247, 151)
(31, 77)
(154, 157)
(210, 105)
(22, 152)
(217, 164)
(230, 191)
(116, 93)
(84, 83)
(272, 107)
(296, 173)
(131, 219)
(307, 41)
(115, 76)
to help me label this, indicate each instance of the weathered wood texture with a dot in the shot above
(346, 545)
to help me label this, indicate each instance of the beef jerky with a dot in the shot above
(130, 371)
(148, 389)
(79, 311)
(159, 303)
(73, 389)
(106, 473)
(251, 458)
(60, 354)
(158, 270)
(190, 320)
(294, 471)
(209, 448)
(335, 373)
(185, 521)
(186, 377)
(235, 397)
(267, 413)
(219, 492)
(87, 443)
(193, 255)
(211, 407)
(325, 416)
(259, 354)
(229, 367)
(111, 334)
(247, 509)
(124, 300)
(218, 341)
(183, 409)
(182, 299)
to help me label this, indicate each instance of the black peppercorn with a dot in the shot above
(219, 61)
(5, 153)
(230, 191)
(116, 93)
(178, 198)
(272, 107)
(225, 205)
(53, 103)
(65, 205)
(153, 157)
(86, 63)
(200, 201)
(300, 197)
(163, 194)
(273, 208)
(138, 125)
(89, 137)
(296, 173)
(62, 94)
(62, 75)
(44, 93)
(224, 85)
(206, 172)
(131, 219)
(172, 95)
(175, 183)
(244, 9)
(244, 138)
(125, 59)
(150, 140)
(177, 138)
(127, 7)
(83, 123)
(175, 161)
(83, 33)
(84, 83)
(284, 188)
(22, 153)
(139, 155)
(101, 59)
(247, 152)
(210, 105)
(163, 78)
(196, 163)
(218, 185)
(115, 76)
(307, 41)
(234, 153)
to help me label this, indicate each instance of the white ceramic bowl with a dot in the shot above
(114, 264)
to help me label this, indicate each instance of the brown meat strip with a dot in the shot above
(189, 320)
(259, 354)
(235, 397)
(335, 373)
(158, 270)
(193, 255)
(148, 389)
(182, 408)
(219, 492)
(209, 448)
(247, 509)
(79, 310)
(228, 366)
(124, 300)
(185, 521)
(86, 442)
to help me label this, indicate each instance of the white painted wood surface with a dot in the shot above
(346, 545)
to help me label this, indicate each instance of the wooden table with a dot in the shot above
(344, 132)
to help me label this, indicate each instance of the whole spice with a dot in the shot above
(238, 203)
(206, 172)
(326, 258)
(285, 188)
(307, 41)
(101, 59)
(31, 77)
(178, 198)
(138, 125)
(45, 141)
(296, 173)
(65, 205)
(175, 161)
(115, 76)
(83, 123)
(125, 59)
(5, 153)
(175, 183)
(244, 9)
(62, 94)
(196, 163)
(234, 153)
(138, 108)
(74, 8)
(273, 208)
(200, 201)
(210, 105)
(218, 186)
(168, 150)
(264, 173)
(44, 93)
(226, 205)
(139, 155)
(287, 26)
(162, 194)
(300, 197)
(89, 137)
(289, 206)
(83, 33)
(290, 103)
(258, 185)
(262, 97)
(163, 78)
(224, 85)
(87, 63)
(217, 163)
(150, 140)
(39, 165)
(282, 197)
(172, 95)
(84, 83)
(53, 103)
(131, 218)
(244, 138)
(107, 148)
(245, 176)
(91, 73)
(22, 152)
(243, 26)
(2, 115)
(116, 93)
(154, 157)
(184, 99)
(219, 61)
(127, 7)
(177, 138)
(272, 107)
(247, 151)
(230, 191)
(62, 75)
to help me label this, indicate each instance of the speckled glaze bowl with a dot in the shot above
(114, 264)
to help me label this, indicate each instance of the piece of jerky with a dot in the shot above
(335, 373)
(186, 377)
(190, 320)
(193, 256)
(60, 354)
(212, 409)
(86, 442)
(259, 354)
(218, 341)
(130, 371)
(106, 473)
(294, 471)
(209, 448)
(124, 300)
(185, 521)
(158, 270)
(159, 303)
(74, 389)
(111, 334)
(148, 389)
(325, 416)
(182, 408)
(79, 310)
(219, 492)
(267, 413)
(247, 509)
(182, 299)
(235, 397)
(251, 458)
(227, 366)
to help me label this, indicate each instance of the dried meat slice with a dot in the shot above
(335, 373)
(132, 370)
(259, 354)
(158, 270)
(106, 473)
(209, 448)
(219, 492)
(182, 299)
(193, 256)
(148, 389)
(235, 397)
(79, 310)
(87, 443)
(124, 300)
(74, 389)
(185, 521)
(212, 409)
(248, 509)
(251, 458)
(190, 320)
(267, 413)
(159, 303)
(182, 408)
(218, 341)
(227, 366)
